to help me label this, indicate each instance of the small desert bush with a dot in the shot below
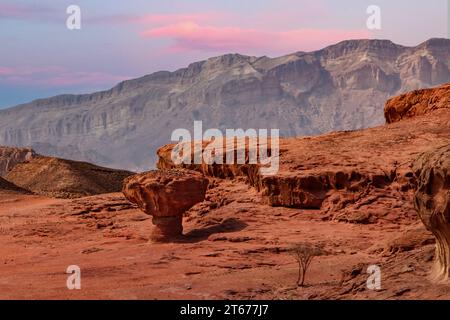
(304, 253)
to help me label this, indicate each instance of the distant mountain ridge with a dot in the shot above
(341, 87)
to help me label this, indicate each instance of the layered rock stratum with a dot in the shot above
(341, 87)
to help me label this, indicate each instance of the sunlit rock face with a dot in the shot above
(432, 201)
(416, 103)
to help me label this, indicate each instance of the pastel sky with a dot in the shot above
(120, 39)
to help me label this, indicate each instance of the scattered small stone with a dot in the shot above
(240, 239)
(214, 254)
(217, 237)
(406, 269)
(91, 250)
(401, 292)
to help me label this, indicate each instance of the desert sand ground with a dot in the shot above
(237, 250)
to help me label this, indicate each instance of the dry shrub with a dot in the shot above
(304, 253)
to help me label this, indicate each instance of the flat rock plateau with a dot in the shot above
(350, 192)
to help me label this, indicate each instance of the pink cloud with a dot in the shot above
(26, 71)
(190, 36)
(15, 11)
(12, 10)
(83, 78)
(208, 31)
(9, 10)
(55, 76)
(157, 19)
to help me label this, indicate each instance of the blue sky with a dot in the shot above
(120, 39)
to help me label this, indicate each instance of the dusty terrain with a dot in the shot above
(350, 192)
(236, 251)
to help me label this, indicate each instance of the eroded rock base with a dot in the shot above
(167, 229)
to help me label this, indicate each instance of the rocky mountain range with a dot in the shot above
(341, 87)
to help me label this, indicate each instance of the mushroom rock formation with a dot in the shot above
(432, 201)
(166, 195)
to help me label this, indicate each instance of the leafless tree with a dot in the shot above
(304, 253)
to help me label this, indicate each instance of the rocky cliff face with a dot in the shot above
(343, 86)
(418, 102)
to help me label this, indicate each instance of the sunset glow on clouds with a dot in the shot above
(125, 39)
(33, 11)
(191, 36)
(150, 19)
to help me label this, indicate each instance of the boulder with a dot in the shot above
(166, 195)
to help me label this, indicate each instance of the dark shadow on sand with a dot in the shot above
(226, 226)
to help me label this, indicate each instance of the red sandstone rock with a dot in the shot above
(432, 201)
(166, 195)
(350, 176)
(417, 103)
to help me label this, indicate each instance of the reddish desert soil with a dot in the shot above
(235, 251)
